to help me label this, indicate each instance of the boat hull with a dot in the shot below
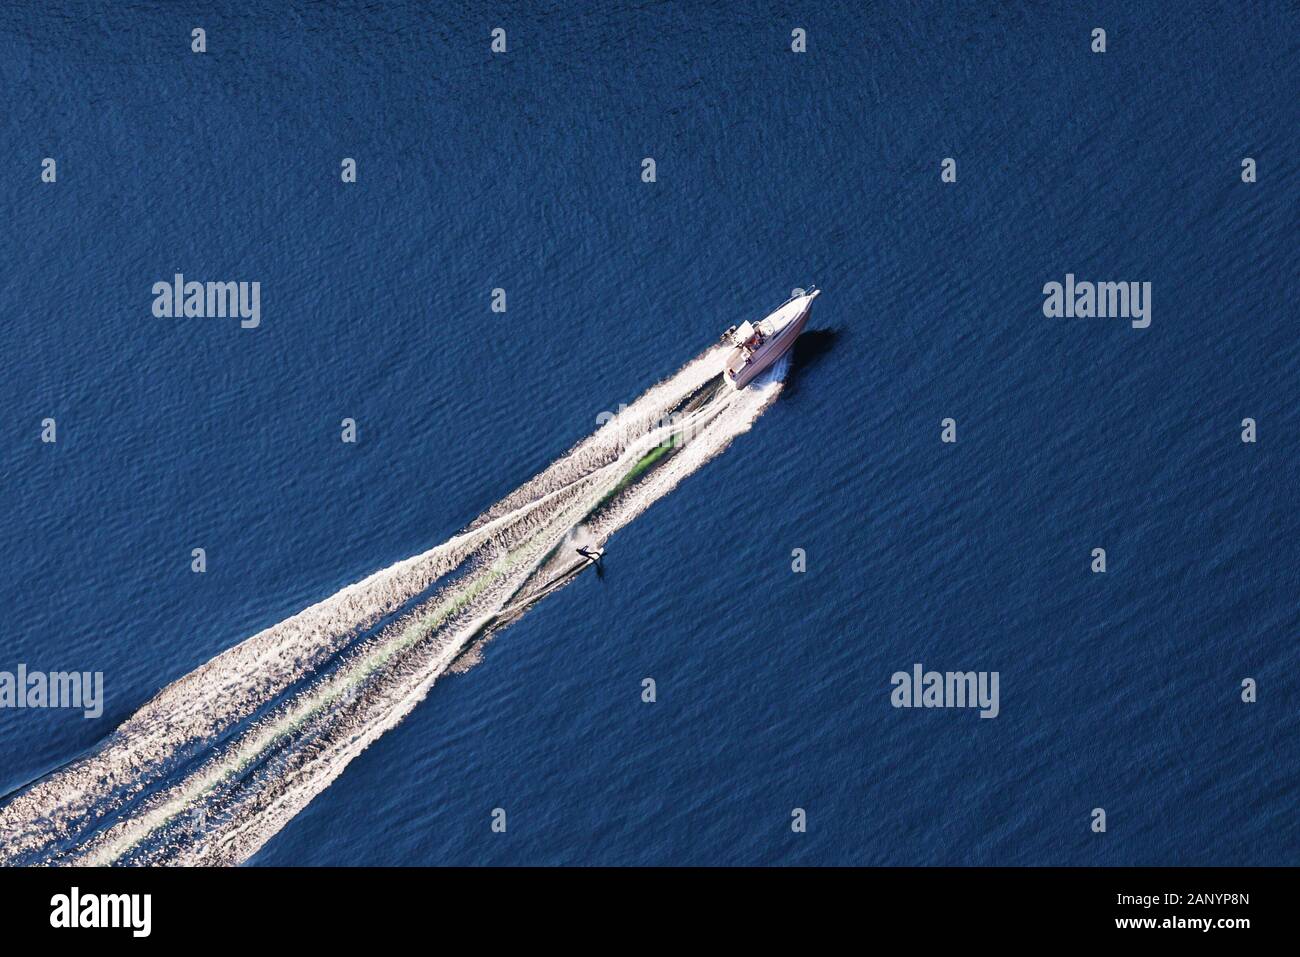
(774, 348)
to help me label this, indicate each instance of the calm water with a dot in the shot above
(775, 170)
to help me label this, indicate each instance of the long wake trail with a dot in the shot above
(218, 762)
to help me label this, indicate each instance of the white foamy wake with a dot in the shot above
(215, 764)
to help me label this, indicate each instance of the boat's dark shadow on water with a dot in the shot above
(808, 350)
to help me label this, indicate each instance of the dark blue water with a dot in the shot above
(775, 169)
